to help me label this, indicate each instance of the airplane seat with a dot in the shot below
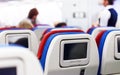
(39, 30)
(100, 44)
(50, 38)
(61, 57)
(94, 31)
(12, 37)
(109, 55)
(47, 35)
(15, 60)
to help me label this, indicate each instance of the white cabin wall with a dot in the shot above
(86, 11)
(75, 12)
(96, 8)
(81, 13)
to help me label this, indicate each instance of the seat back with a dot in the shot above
(17, 61)
(26, 38)
(109, 53)
(55, 59)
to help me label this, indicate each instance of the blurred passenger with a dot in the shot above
(22, 42)
(25, 24)
(61, 24)
(109, 16)
(32, 16)
(31, 19)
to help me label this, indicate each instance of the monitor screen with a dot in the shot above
(74, 52)
(118, 44)
(8, 71)
(117, 47)
(18, 39)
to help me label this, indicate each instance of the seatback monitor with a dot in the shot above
(74, 52)
(9, 66)
(8, 71)
(117, 47)
(18, 39)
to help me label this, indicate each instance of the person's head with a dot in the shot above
(22, 42)
(61, 24)
(108, 2)
(25, 24)
(33, 13)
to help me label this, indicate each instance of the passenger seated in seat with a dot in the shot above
(25, 24)
(61, 24)
(22, 42)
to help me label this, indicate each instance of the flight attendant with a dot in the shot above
(109, 16)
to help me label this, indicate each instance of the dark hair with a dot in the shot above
(22, 42)
(33, 12)
(111, 2)
(61, 24)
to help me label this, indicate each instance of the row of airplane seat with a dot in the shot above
(11, 36)
(108, 49)
(63, 51)
(68, 52)
(60, 59)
